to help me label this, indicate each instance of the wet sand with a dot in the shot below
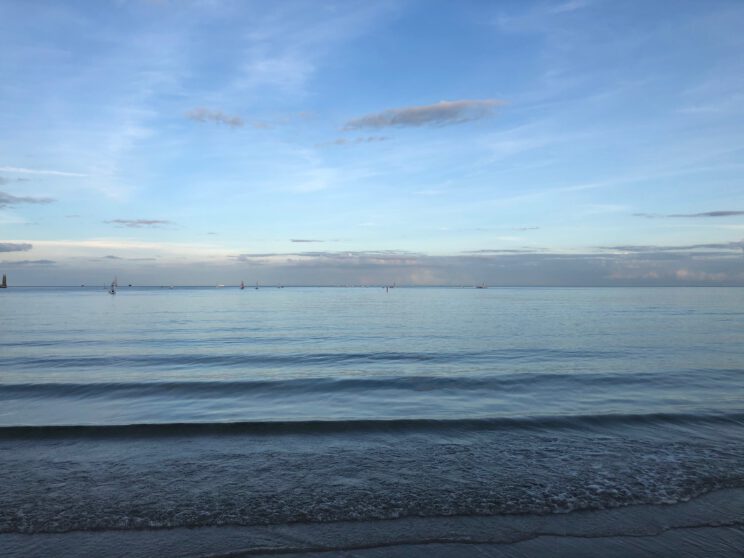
(711, 525)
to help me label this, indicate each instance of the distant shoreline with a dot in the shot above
(237, 286)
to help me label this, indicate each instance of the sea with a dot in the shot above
(190, 410)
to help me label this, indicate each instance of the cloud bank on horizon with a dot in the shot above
(532, 143)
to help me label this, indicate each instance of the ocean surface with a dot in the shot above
(203, 407)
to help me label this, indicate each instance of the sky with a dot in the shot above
(421, 142)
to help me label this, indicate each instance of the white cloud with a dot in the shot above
(22, 170)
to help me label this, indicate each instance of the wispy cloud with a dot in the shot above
(8, 199)
(15, 247)
(315, 178)
(305, 240)
(201, 114)
(22, 170)
(570, 6)
(284, 71)
(735, 246)
(724, 213)
(380, 257)
(29, 262)
(285, 47)
(500, 251)
(112, 257)
(138, 223)
(438, 114)
(84, 250)
(355, 141)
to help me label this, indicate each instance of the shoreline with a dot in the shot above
(710, 525)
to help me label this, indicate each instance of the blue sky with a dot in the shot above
(538, 143)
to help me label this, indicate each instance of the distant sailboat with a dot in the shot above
(112, 289)
(242, 285)
(256, 285)
(481, 286)
(4, 284)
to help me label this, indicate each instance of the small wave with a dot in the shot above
(303, 359)
(163, 483)
(353, 426)
(313, 385)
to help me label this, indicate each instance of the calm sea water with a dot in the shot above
(189, 407)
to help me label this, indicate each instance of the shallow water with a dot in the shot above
(206, 407)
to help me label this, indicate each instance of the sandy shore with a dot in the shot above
(712, 525)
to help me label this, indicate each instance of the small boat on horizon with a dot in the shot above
(481, 286)
(112, 288)
(242, 285)
(4, 284)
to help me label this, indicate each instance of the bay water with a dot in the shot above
(201, 407)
